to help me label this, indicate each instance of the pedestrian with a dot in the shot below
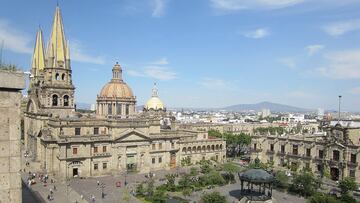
(54, 187)
(48, 197)
(82, 197)
(92, 198)
(51, 191)
(98, 183)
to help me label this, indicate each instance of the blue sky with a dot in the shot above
(202, 53)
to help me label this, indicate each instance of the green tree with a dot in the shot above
(194, 171)
(230, 169)
(170, 184)
(304, 184)
(140, 190)
(185, 181)
(347, 184)
(347, 198)
(159, 197)
(205, 166)
(214, 197)
(150, 187)
(281, 180)
(322, 198)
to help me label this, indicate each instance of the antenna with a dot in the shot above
(1, 51)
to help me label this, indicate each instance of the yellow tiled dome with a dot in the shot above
(154, 103)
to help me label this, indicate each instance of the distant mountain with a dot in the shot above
(85, 106)
(274, 107)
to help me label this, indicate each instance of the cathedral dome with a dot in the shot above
(117, 88)
(154, 103)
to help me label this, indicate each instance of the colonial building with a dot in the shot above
(116, 139)
(335, 152)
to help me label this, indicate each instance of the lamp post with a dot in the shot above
(339, 108)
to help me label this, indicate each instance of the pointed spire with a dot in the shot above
(57, 42)
(154, 91)
(38, 59)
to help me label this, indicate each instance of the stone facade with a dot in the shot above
(334, 152)
(112, 141)
(11, 84)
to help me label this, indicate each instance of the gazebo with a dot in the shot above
(256, 178)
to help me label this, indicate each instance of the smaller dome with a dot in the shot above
(154, 103)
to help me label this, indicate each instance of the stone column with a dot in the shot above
(11, 84)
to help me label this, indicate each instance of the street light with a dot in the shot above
(339, 108)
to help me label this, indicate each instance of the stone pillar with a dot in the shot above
(11, 84)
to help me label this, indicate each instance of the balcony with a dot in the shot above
(280, 153)
(317, 158)
(306, 157)
(270, 152)
(294, 155)
(255, 150)
(104, 154)
(352, 164)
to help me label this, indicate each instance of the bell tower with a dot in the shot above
(52, 72)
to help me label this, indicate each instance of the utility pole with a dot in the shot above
(1, 51)
(339, 108)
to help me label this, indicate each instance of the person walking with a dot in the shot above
(98, 183)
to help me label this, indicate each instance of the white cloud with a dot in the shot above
(77, 54)
(355, 90)
(341, 65)
(14, 40)
(233, 5)
(313, 49)
(288, 62)
(343, 27)
(158, 7)
(213, 83)
(257, 34)
(156, 70)
(160, 62)
(160, 73)
(135, 73)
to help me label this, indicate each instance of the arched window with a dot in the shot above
(55, 100)
(217, 147)
(212, 147)
(63, 76)
(199, 149)
(57, 76)
(208, 148)
(189, 149)
(220, 146)
(203, 148)
(66, 100)
(184, 150)
(194, 149)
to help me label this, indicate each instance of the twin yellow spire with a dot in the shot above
(38, 59)
(57, 52)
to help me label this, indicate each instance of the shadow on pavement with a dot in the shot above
(30, 196)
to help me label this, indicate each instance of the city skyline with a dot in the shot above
(207, 57)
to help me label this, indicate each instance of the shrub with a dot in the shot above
(213, 197)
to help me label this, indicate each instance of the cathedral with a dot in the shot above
(114, 140)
